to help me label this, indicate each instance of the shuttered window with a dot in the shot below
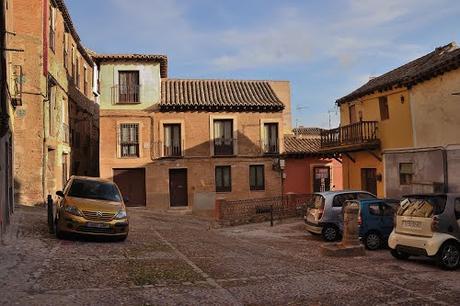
(256, 177)
(172, 140)
(223, 179)
(129, 140)
(270, 144)
(384, 111)
(223, 137)
(128, 87)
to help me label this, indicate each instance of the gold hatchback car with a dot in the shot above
(91, 206)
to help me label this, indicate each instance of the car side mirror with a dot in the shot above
(60, 193)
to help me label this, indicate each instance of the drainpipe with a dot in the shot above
(446, 170)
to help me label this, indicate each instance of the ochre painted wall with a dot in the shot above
(352, 171)
(436, 111)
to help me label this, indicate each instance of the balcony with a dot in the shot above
(224, 146)
(354, 137)
(270, 147)
(163, 150)
(126, 94)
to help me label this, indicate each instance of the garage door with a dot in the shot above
(132, 185)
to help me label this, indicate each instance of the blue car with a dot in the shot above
(376, 221)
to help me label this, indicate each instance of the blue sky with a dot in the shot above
(325, 48)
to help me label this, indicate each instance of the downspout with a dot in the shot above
(445, 169)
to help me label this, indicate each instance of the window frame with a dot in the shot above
(406, 179)
(52, 28)
(384, 108)
(256, 187)
(132, 92)
(220, 186)
(223, 151)
(172, 126)
(130, 142)
(268, 136)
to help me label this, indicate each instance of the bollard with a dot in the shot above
(49, 202)
(271, 214)
(350, 225)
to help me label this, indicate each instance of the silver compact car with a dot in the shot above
(324, 215)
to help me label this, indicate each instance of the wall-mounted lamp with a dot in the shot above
(378, 177)
(402, 99)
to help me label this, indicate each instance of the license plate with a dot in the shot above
(97, 225)
(412, 224)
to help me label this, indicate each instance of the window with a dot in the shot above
(405, 173)
(352, 113)
(172, 140)
(374, 209)
(77, 72)
(128, 87)
(270, 145)
(223, 179)
(340, 199)
(51, 106)
(129, 140)
(85, 80)
(52, 29)
(387, 210)
(223, 137)
(256, 177)
(384, 111)
(66, 49)
(457, 208)
(74, 67)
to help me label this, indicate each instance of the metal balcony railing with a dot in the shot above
(126, 94)
(363, 132)
(224, 146)
(270, 146)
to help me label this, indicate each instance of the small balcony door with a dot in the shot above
(322, 179)
(223, 137)
(128, 87)
(172, 140)
(270, 143)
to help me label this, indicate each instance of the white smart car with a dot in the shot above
(428, 225)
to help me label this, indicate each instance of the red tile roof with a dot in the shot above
(218, 95)
(301, 146)
(437, 62)
(162, 59)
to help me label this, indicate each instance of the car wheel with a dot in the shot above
(399, 254)
(448, 256)
(372, 241)
(330, 233)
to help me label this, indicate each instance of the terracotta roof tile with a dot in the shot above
(218, 95)
(437, 62)
(307, 131)
(162, 59)
(302, 146)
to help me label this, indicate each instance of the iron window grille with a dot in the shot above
(129, 140)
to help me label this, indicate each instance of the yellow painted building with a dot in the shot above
(391, 112)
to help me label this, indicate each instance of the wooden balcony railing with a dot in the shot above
(362, 133)
(122, 94)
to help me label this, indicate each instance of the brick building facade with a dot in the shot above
(56, 121)
(178, 143)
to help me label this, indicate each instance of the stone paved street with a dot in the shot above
(174, 259)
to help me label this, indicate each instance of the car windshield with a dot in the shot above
(317, 201)
(94, 190)
(422, 206)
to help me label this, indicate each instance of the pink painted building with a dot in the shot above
(306, 170)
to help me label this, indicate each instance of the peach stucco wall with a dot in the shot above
(299, 174)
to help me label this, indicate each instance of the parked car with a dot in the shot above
(91, 206)
(428, 225)
(376, 219)
(324, 216)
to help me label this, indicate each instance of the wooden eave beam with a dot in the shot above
(375, 155)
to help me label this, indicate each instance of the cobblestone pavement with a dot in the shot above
(174, 259)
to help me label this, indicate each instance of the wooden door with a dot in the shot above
(322, 179)
(131, 183)
(369, 180)
(178, 187)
